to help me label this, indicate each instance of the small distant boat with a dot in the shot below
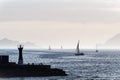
(78, 51)
(61, 47)
(49, 48)
(97, 48)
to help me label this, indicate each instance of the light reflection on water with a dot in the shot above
(104, 65)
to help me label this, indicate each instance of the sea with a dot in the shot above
(102, 65)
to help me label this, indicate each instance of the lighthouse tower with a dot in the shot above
(20, 59)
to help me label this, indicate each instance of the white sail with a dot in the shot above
(77, 49)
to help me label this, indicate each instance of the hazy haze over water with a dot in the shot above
(51, 22)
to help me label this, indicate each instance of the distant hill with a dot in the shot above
(114, 41)
(7, 43)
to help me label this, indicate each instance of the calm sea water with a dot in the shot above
(104, 65)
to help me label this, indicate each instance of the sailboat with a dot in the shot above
(78, 51)
(49, 48)
(61, 47)
(96, 48)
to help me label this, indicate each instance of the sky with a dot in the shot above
(60, 22)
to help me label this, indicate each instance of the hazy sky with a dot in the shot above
(63, 22)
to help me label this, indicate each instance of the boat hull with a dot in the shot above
(80, 54)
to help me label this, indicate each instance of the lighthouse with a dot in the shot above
(20, 59)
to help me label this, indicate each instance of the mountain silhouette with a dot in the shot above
(114, 41)
(7, 43)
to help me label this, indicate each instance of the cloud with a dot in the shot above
(84, 11)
